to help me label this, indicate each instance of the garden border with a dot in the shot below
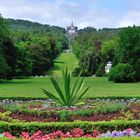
(88, 127)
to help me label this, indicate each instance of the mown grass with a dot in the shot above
(64, 60)
(98, 87)
(31, 87)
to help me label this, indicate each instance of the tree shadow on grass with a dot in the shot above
(15, 82)
(57, 61)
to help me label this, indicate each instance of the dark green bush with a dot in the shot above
(76, 71)
(122, 73)
(138, 69)
(100, 72)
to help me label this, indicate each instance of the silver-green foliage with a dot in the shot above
(68, 92)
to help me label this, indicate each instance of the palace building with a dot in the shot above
(71, 32)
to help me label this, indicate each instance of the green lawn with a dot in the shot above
(98, 87)
(65, 60)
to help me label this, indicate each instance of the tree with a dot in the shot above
(108, 50)
(88, 62)
(128, 49)
(24, 61)
(42, 55)
(7, 51)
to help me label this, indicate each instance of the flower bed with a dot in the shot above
(89, 111)
(76, 133)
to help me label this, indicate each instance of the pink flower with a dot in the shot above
(128, 129)
(8, 135)
(67, 135)
(36, 135)
(45, 137)
(96, 133)
(78, 132)
(25, 135)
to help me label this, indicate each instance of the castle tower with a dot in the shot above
(71, 32)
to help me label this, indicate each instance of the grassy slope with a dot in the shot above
(99, 86)
(65, 60)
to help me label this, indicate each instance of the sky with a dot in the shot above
(84, 13)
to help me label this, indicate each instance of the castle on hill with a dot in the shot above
(71, 32)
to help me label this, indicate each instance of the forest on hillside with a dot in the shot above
(28, 48)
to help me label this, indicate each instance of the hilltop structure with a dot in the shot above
(71, 32)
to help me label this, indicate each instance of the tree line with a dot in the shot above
(28, 48)
(94, 48)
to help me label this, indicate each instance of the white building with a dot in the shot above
(108, 67)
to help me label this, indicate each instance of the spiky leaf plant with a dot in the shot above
(68, 92)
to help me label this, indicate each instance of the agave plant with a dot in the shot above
(68, 92)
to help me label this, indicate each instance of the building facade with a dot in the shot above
(71, 32)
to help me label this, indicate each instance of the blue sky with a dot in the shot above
(96, 13)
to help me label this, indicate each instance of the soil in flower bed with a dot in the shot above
(100, 117)
(33, 118)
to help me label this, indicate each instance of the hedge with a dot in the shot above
(38, 98)
(88, 127)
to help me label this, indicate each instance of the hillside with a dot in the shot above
(29, 26)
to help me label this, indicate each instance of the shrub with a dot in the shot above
(122, 73)
(138, 69)
(100, 72)
(87, 127)
(76, 71)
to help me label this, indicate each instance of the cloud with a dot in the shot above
(96, 13)
(131, 18)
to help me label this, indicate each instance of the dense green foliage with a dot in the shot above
(7, 52)
(128, 49)
(122, 73)
(28, 48)
(34, 27)
(67, 94)
(94, 49)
